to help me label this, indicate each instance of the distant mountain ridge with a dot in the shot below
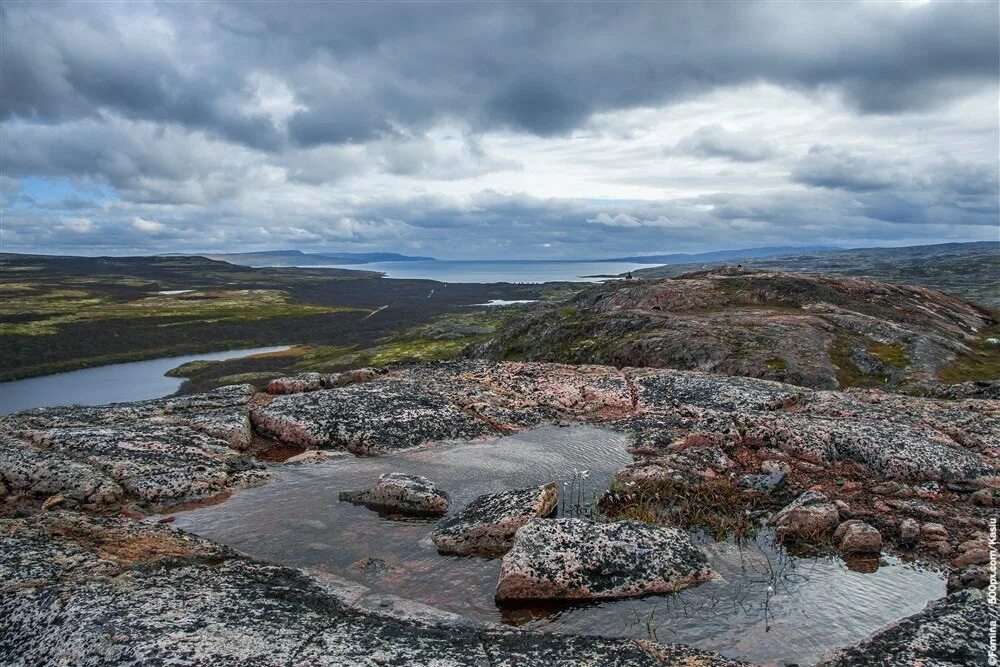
(296, 257)
(721, 255)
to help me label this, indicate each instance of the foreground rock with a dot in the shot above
(148, 454)
(949, 632)
(486, 527)
(402, 494)
(136, 594)
(572, 559)
(809, 518)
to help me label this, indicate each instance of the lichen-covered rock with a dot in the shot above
(809, 517)
(366, 419)
(576, 559)
(403, 494)
(297, 384)
(949, 631)
(857, 537)
(486, 526)
(970, 576)
(93, 591)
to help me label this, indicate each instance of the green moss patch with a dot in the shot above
(981, 363)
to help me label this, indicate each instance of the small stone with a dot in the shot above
(983, 498)
(809, 517)
(909, 531)
(934, 530)
(843, 508)
(769, 483)
(405, 494)
(771, 467)
(978, 556)
(971, 576)
(857, 537)
(52, 501)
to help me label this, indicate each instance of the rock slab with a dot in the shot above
(403, 494)
(487, 525)
(573, 559)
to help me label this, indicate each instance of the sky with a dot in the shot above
(500, 130)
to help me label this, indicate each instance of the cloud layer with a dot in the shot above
(506, 129)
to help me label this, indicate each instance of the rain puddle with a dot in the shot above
(765, 606)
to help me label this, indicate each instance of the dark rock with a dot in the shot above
(486, 527)
(770, 483)
(576, 559)
(970, 576)
(949, 631)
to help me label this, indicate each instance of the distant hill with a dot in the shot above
(298, 258)
(968, 270)
(720, 255)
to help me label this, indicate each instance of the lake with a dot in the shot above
(114, 383)
(495, 271)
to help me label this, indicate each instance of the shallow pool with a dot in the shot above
(765, 606)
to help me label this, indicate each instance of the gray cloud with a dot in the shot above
(457, 129)
(363, 71)
(716, 141)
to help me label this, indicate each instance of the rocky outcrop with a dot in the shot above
(297, 384)
(486, 526)
(812, 331)
(809, 518)
(577, 559)
(101, 591)
(147, 454)
(950, 631)
(396, 493)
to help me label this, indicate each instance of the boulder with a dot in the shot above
(403, 494)
(857, 537)
(809, 517)
(970, 576)
(768, 483)
(573, 559)
(487, 525)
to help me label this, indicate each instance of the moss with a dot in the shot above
(776, 364)
(849, 375)
(247, 378)
(981, 363)
(888, 354)
(416, 350)
(63, 306)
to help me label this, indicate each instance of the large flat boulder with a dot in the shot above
(401, 494)
(573, 559)
(486, 526)
(366, 419)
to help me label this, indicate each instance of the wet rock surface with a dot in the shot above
(577, 559)
(486, 526)
(813, 331)
(140, 594)
(950, 631)
(401, 494)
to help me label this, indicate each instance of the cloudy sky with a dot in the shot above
(496, 130)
